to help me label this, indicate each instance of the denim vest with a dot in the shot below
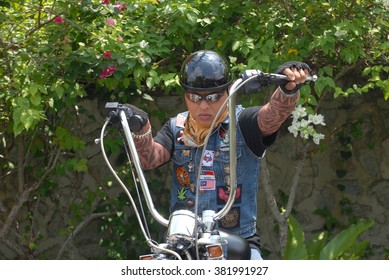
(214, 179)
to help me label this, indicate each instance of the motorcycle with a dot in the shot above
(189, 235)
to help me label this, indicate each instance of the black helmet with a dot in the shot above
(205, 71)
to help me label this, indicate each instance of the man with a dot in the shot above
(206, 78)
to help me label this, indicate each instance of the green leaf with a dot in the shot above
(207, 20)
(32, 245)
(126, 82)
(33, 89)
(59, 90)
(344, 240)
(67, 140)
(295, 247)
(22, 103)
(356, 251)
(316, 244)
(81, 165)
(147, 97)
(36, 99)
(236, 45)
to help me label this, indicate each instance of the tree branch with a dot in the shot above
(24, 196)
(270, 198)
(295, 180)
(78, 229)
(282, 218)
(20, 165)
(348, 69)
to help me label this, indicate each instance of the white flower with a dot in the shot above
(143, 44)
(294, 129)
(316, 119)
(304, 134)
(317, 137)
(303, 124)
(299, 112)
(339, 32)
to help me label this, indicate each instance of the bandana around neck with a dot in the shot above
(195, 134)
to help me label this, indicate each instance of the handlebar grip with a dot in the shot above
(283, 79)
(135, 120)
(253, 80)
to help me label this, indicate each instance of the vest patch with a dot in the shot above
(207, 180)
(208, 158)
(223, 193)
(181, 194)
(181, 118)
(224, 133)
(182, 176)
(231, 220)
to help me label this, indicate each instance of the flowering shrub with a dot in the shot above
(303, 124)
(107, 72)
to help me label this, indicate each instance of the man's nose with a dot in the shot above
(204, 104)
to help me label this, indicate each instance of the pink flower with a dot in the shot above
(105, 2)
(120, 7)
(58, 20)
(120, 39)
(107, 55)
(111, 21)
(107, 72)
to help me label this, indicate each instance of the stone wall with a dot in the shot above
(348, 177)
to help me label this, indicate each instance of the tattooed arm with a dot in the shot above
(151, 154)
(281, 105)
(275, 112)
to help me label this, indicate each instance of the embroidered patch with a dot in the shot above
(190, 166)
(207, 185)
(223, 193)
(231, 220)
(208, 158)
(227, 180)
(180, 122)
(224, 134)
(181, 194)
(224, 148)
(179, 137)
(207, 180)
(207, 175)
(190, 203)
(182, 176)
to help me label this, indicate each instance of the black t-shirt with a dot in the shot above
(248, 125)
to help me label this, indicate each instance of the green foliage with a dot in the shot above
(343, 246)
(48, 63)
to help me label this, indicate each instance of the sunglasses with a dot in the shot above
(211, 98)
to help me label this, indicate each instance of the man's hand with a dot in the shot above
(296, 72)
(138, 118)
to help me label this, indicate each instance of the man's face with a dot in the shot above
(204, 106)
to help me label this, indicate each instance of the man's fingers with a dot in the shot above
(289, 73)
